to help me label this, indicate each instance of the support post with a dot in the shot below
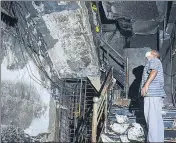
(0, 86)
(171, 73)
(127, 78)
(106, 114)
(94, 119)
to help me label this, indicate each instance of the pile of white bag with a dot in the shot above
(127, 132)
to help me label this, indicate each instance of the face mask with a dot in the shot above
(148, 54)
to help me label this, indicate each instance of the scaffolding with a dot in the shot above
(72, 107)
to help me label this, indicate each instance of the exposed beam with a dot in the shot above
(172, 17)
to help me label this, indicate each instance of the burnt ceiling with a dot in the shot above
(135, 10)
(139, 20)
(144, 17)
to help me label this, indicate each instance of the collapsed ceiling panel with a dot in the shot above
(136, 10)
(144, 16)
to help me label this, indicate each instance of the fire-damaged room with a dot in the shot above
(88, 71)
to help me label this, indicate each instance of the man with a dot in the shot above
(153, 92)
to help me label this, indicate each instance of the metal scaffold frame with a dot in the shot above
(72, 108)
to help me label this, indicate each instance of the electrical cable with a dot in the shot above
(41, 83)
(31, 72)
(22, 54)
(40, 66)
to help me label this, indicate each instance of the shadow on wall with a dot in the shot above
(137, 101)
(134, 90)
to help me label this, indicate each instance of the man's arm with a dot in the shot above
(151, 77)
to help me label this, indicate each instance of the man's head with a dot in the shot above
(155, 53)
(152, 54)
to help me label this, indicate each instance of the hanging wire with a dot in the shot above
(35, 55)
(34, 78)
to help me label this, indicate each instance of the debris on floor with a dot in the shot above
(13, 134)
(125, 131)
(174, 124)
(10, 133)
(124, 139)
(136, 132)
(121, 119)
(105, 138)
(119, 128)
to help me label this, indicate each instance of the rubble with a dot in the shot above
(124, 139)
(13, 134)
(127, 132)
(105, 138)
(10, 133)
(136, 133)
(174, 124)
(121, 119)
(119, 128)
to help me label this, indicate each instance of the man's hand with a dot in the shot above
(144, 90)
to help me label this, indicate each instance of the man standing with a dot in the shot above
(153, 92)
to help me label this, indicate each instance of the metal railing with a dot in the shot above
(112, 54)
(83, 130)
(74, 108)
(113, 50)
(100, 106)
(121, 74)
(83, 127)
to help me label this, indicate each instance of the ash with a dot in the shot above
(10, 133)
